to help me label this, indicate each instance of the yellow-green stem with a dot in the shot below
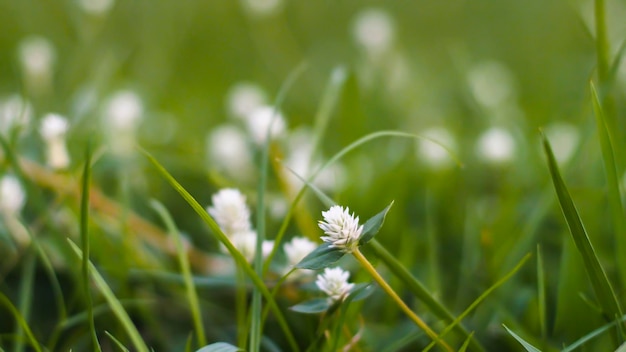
(385, 286)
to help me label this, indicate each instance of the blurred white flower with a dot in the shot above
(228, 149)
(374, 30)
(244, 98)
(37, 57)
(96, 7)
(259, 121)
(12, 195)
(433, 154)
(230, 211)
(262, 8)
(342, 228)
(15, 112)
(334, 282)
(245, 242)
(491, 83)
(564, 139)
(297, 249)
(121, 117)
(496, 145)
(53, 129)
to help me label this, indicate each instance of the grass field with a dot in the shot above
(151, 149)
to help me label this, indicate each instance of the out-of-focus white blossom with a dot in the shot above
(496, 145)
(15, 112)
(342, 228)
(53, 129)
(262, 8)
(12, 195)
(433, 154)
(245, 242)
(230, 211)
(96, 7)
(564, 139)
(228, 149)
(374, 30)
(295, 251)
(491, 83)
(244, 98)
(121, 117)
(258, 123)
(37, 57)
(334, 282)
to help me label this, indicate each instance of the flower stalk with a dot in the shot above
(385, 286)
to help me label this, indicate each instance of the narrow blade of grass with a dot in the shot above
(541, 294)
(590, 336)
(237, 256)
(466, 343)
(84, 239)
(527, 346)
(479, 300)
(4, 300)
(610, 168)
(183, 261)
(26, 296)
(117, 342)
(115, 304)
(599, 281)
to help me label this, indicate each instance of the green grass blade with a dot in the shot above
(237, 256)
(26, 296)
(590, 336)
(115, 304)
(4, 300)
(117, 342)
(541, 294)
(419, 290)
(183, 261)
(614, 195)
(599, 281)
(478, 300)
(527, 346)
(466, 343)
(84, 239)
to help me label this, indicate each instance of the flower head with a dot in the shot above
(245, 242)
(342, 228)
(262, 119)
(12, 195)
(297, 249)
(230, 211)
(334, 282)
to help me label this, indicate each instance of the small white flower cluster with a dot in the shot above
(53, 129)
(37, 57)
(342, 228)
(121, 117)
(12, 200)
(295, 251)
(231, 213)
(334, 282)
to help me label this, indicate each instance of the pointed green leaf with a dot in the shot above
(220, 347)
(360, 292)
(322, 257)
(599, 281)
(527, 346)
(373, 225)
(313, 306)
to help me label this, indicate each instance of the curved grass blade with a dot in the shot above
(183, 261)
(237, 256)
(219, 347)
(20, 320)
(466, 343)
(115, 304)
(480, 298)
(117, 342)
(614, 195)
(527, 346)
(599, 281)
(590, 336)
(84, 239)
(26, 295)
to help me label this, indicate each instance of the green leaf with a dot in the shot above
(322, 257)
(117, 342)
(466, 343)
(526, 345)
(4, 301)
(373, 225)
(219, 347)
(360, 292)
(313, 306)
(599, 281)
(595, 333)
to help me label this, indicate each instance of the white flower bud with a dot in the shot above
(334, 282)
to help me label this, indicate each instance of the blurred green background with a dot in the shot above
(489, 74)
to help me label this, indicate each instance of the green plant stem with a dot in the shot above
(602, 42)
(383, 284)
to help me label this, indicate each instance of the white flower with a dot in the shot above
(227, 149)
(230, 211)
(262, 8)
(244, 98)
(434, 154)
(496, 145)
(563, 138)
(53, 129)
(245, 242)
(37, 56)
(12, 195)
(342, 228)
(373, 29)
(15, 112)
(491, 83)
(96, 7)
(259, 121)
(121, 117)
(297, 249)
(334, 282)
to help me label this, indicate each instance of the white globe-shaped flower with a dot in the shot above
(342, 228)
(230, 211)
(334, 282)
(297, 249)
(259, 122)
(12, 195)
(496, 145)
